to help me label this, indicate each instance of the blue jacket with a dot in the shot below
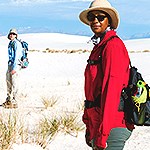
(15, 52)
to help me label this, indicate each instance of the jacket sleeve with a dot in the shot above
(114, 65)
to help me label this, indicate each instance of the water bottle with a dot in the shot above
(139, 92)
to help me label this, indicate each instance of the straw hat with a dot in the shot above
(102, 5)
(12, 31)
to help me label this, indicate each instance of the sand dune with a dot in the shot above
(62, 75)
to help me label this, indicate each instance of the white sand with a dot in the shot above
(62, 76)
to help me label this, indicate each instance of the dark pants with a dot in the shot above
(117, 138)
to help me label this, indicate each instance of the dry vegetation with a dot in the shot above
(138, 51)
(49, 102)
(14, 129)
(48, 50)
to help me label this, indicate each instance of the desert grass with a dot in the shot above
(14, 130)
(79, 51)
(65, 123)
(139, 51)
(71, 124)
(146, 51)
(49, 102)
(46, 132)
(48, 50)
(8, 132)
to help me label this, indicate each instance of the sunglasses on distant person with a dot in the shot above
(91, 17)
(12, 34)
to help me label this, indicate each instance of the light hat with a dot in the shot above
(12, 31)
(102, 5)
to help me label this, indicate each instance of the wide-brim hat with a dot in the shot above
(102, 5)
(12, 31)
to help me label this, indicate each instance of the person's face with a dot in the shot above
(98, 22)
(12, 36)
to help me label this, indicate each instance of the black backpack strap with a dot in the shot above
(94, 62)
(130, 64)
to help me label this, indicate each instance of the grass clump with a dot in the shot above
(14, 130)
(7, 132)
(47, 130)
(49, 102)
(70, 124)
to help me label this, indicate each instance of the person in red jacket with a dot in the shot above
(106, 74)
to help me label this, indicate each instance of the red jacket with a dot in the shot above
(108, 80)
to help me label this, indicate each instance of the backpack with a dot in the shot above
(24, 59)
(135, 99)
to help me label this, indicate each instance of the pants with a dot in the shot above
(117, 138)
(12, 83)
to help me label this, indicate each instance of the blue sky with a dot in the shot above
(62, 16)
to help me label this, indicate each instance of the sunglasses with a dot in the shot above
(12, 34)
(91, 17)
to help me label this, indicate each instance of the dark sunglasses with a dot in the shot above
(12, 34)
(91, 17)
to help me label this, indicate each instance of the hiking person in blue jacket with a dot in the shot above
(14, 55)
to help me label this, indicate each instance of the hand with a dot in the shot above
(87, 139)
(13, 72)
